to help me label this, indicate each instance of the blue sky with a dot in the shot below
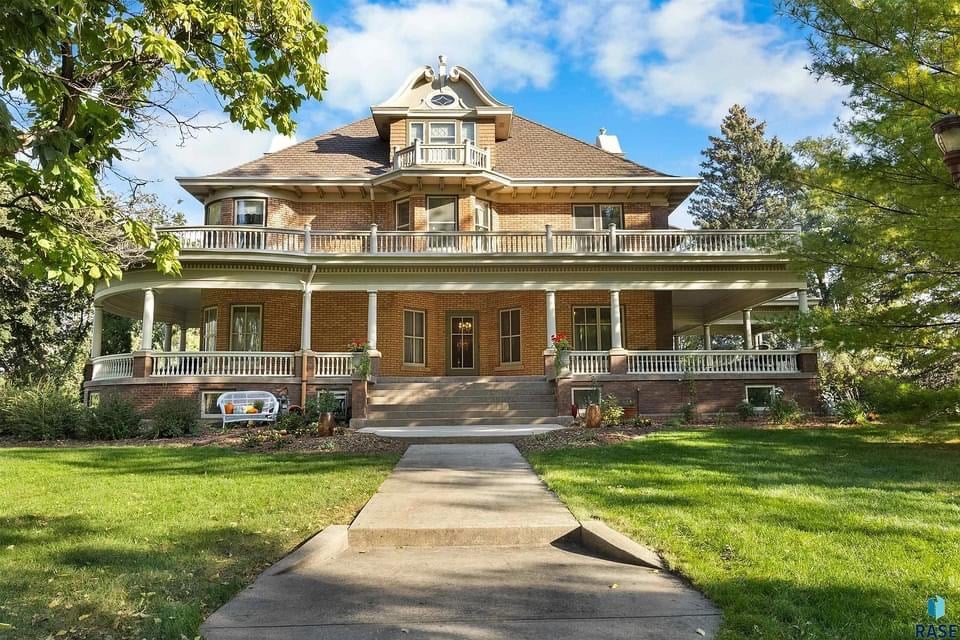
(660, 75)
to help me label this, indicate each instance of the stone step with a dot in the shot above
(456, 401)
(454, 421)
(464, 405)
(460, 414)
(447, 387)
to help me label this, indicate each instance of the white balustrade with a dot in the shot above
(467, 154)
(222, 363)
(109, 367)
(714, 361)
(334, 365)
(688, 242)
(589, 362)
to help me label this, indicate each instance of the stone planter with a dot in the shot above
(325, 424)
(563, 363)
(592, 418)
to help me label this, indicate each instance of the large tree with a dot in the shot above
(890, 237)
(82, 81)
(743, 185)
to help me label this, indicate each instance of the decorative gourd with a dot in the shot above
(251, 409)
(228, 408)
(593, 417)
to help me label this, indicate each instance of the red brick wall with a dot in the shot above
(281, 315)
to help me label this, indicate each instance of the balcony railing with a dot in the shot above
(463, 155)
(252, 364)
(681, 362)
(110, 367)
(612, 241)
(334, 365)
(589, 362)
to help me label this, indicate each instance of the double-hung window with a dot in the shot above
(596, 217)
(468, 131)
(250, 211)
(591, 328)
(403, 215)
(212, 214)
(414, 337)
(416, 132)
(443, 133)
(482, 215)
(246, 327)
(510, 336)
(209, 329)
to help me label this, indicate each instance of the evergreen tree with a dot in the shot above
(743, 185)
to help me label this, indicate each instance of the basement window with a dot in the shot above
(759, 395)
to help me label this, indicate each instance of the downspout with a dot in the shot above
(303, 358)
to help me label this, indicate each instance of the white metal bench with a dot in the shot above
(241, 400)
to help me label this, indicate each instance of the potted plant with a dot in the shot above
(327, 406)
(360, 361)
(561, 343)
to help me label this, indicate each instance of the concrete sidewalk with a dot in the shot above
(461, 541)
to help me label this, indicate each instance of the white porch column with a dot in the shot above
(96, 340)
(306, 319)
(616, 328)
(183, 337)
(372, 320)
(747, 329)
(707, 338)
(551, 299)
(146, 333)
(167, 337)
(802, 303)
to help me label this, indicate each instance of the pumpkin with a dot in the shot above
(251, 409)
(228, 408)
(593, 417)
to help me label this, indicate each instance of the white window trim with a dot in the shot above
(518, 334)
(406, 362)
(236, 210)
(203, 405)
(597, 218)
(236, 306)
(746, 394)
(452, 123)
(456, 211)
(396, 215)
(203, 326)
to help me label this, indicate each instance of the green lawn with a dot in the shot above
(144, 542)
(828, 533)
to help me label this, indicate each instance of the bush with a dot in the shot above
(114, 418)
(889, 395)
(174, 417)
(783, 410)
(292, 422)
(852, 411)
(641, 422)
(746, 410)
(40, 411)
(610, 410)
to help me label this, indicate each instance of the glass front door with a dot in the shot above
(462, 331)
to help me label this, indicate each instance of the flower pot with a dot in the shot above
(593, 418)
(629, 413)
(355, 359)
(325, 424)
(563, 363)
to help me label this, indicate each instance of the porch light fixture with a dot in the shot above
(946, 131)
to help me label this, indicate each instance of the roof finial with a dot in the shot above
(442, 69)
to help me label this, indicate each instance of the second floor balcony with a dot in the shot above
(419, 154)
(265, 240)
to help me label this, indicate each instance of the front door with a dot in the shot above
(461, 343)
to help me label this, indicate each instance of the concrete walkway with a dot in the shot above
(461, 541)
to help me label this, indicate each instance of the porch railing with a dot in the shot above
(334, 365)
(546, 242)
(222, 363)
(589, 362)
(109, 367)
(467, 154)
(681, 362)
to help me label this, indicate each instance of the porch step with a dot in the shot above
(454, 420)
(463, 404)
(444, 413)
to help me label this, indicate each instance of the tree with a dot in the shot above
(82, 81)
(891, 239)
(743, 185)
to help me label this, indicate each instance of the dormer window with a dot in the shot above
(443, 133)
(468, 131)
(416, 132)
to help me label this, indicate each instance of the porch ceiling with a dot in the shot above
(694, 308)
(176, 306)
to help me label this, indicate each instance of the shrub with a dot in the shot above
(114, 418)
(327, 402)
(174, 417)
(746, 410)
(852, 411)
(688, 413)
(642, 422)
(783, 410)
(610, 410)
(40, 411)
(292, 422)
(890, 395)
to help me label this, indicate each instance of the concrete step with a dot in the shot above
(479, 387)
(454, 420)
(457, 401)
(445, 414)
(388, 404)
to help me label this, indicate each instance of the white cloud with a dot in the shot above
(697, 57)
(376, 47)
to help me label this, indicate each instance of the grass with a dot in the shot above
(144, 542)
(826, 533)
